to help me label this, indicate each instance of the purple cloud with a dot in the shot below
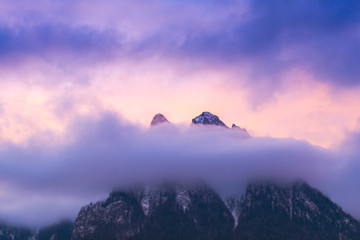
(109, 153)
(319, 36)
(46, 39)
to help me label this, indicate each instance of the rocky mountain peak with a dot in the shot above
(289, 209)
(207, 118)
(235, 127)
(158, 119)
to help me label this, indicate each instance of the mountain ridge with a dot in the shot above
(158, 119)
(266, 211)
(204, 119)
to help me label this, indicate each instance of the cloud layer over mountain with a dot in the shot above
(42, 182)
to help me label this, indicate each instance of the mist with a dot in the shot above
(44, 181)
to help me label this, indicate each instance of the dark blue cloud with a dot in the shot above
(43, 39)
(320, 36)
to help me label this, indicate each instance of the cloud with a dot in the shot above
(318, 36)
(107, 153)
(270, 39)
(48, 40)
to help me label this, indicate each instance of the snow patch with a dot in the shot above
(145, 204)
(183, 199)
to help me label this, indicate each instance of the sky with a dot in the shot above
(287, 71)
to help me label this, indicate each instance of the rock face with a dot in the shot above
(118, 217)
(242, 130)
(207, 118)
(270, 211)
(238, 128)
(158, 119)
(165, 212)
(15, 233)
(173, 211)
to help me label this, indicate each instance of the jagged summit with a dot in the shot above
(158, 119)
(235, 127)
(207, 118)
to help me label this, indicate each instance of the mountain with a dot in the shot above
(297, 211)
(173, 211)
(60, 231)
(15, 233)
(158, 119)
(235, 127)
(207, 118)
(176, 211)
(169, 211)
(241, 130)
